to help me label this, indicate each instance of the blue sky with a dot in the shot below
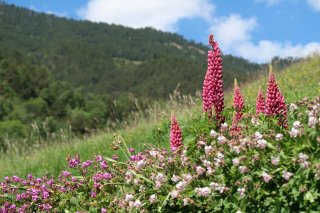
(254, 29)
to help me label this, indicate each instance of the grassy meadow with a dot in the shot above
(296, 82)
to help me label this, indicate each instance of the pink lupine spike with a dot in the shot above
(238, 102)
(175, 134)
(212, 91)
(275, 104)
(260, 103)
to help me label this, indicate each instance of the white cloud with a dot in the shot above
(233, 32)
(160, 14)
(234, 35)
(315, 4)
(269, 2)
(233, 29)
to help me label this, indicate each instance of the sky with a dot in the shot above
(257, 30)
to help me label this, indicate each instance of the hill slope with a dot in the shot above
(112, 59)
(155, 129)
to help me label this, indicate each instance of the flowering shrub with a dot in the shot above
(262, 168)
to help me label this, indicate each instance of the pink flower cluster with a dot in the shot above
(212, 91)
(275, 104)
(238, 101)
(175, 135)
(260, 103)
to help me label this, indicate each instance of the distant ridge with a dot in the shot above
(112, 59)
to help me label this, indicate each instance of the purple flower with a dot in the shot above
(98, 158)
(74, 162)
(86, 164)
(115, 157)
(132, 150)
(103, 164)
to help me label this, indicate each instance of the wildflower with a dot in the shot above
(128, 197)
(200, 170)
(74, 162)
(312, 121)
(293, 107)
(209, 171)
(235, 161)
(257, 135)
(241, 191)
(86, 164)
(140, 164)
(212, 91)
(175, 135)
(260, 103)
(294, 132)
(203, 192)
(261, 143)
(208, 149)
(238, 102)
(243, 169)
(137, 204)
(174, 193)
(187, 177)
(202, 143)
(153, 198)
(221, 139)
(186, 201)
(224, 126)
(279, 137)
(98, 158)
(181, 186)
(275, 160)
(103, 210)
(65, 174)
(115, 157)
(93, 194)
(175, 178)
(296, 124)
(131, 150)
(103, 164)
(275, 104)
(266, 177)
(206, 163)
(287, 175)
(213, 133)
(153, 153)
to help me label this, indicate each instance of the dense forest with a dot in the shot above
(89, 75)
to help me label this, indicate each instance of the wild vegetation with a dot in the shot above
(229, 158)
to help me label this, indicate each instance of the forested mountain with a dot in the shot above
(57, 72)
(111, 59)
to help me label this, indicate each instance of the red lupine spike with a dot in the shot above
(238, 102)
(275, 104)
(260, 103)
(212, 91)
(175, 134)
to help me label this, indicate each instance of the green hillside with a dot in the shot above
(50, 159)
(112, 59)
